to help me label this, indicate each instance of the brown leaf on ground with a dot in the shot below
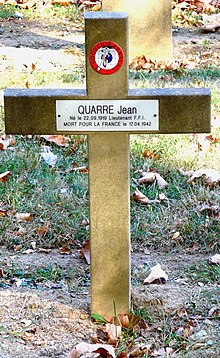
(83, 170)
(209, 28)
(42, 230)
(3, 212)
(189, 173)
(176, 236)
(211, 210)
(139, 197)
(4, 176)
(112, 333)
(212, 176)
(44, 251)
(148, 177)
(85, 252)
(65, 250)
(24, 216)
(150, 154)
(60, 140)
(6, 141)
(122, 355)
(161, 182)
(127, 320)
(188, 329)
(62, 2)
(157, 275)
(84, 348)
(92, 5)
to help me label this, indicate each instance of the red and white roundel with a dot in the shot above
(106, 57)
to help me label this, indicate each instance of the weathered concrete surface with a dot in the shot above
(109, 179)
(101, 27)
(109, 222)
(180, 110)
(150, 26)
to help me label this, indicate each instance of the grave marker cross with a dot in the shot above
(107, 101)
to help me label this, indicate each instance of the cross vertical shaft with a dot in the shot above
(108, 179)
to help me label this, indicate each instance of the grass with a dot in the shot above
(36, 188)
(204, 273)
(7, 11)
(56, 13)
(50, 273)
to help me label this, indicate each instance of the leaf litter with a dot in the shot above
(60, 319)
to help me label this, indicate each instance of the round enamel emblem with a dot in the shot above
(106, 57)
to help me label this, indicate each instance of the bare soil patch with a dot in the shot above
(49, 319)
(49, 47)
(56, 47)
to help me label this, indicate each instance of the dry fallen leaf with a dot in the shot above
(150, 154)
(29, 251)
(83, 170)
(84, 348)
(161, 182)
(4, 176)
(60, 140)
(141, 198)
(48, 156)
(42, 230)
(3, 212)
(65, 250)
(6, 141)
(85, 252)
(44, 251)
(188, 173)
(212, 210)
(147, 178)
(176, 236)
(188, 329)
(150, 177)
(212, 176)
(23, 216)
(213, 310)
(156, 275)
(215, 259)
(62, 2)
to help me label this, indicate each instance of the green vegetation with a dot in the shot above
(60, 13)
(7, 11)
(37, 188)
(49, 273)
(204, 273)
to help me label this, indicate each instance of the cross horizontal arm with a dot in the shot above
(33, 111)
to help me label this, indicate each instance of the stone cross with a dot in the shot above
(108, 112)
(150, 26)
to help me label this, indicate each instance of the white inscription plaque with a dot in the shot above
(107, 115)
